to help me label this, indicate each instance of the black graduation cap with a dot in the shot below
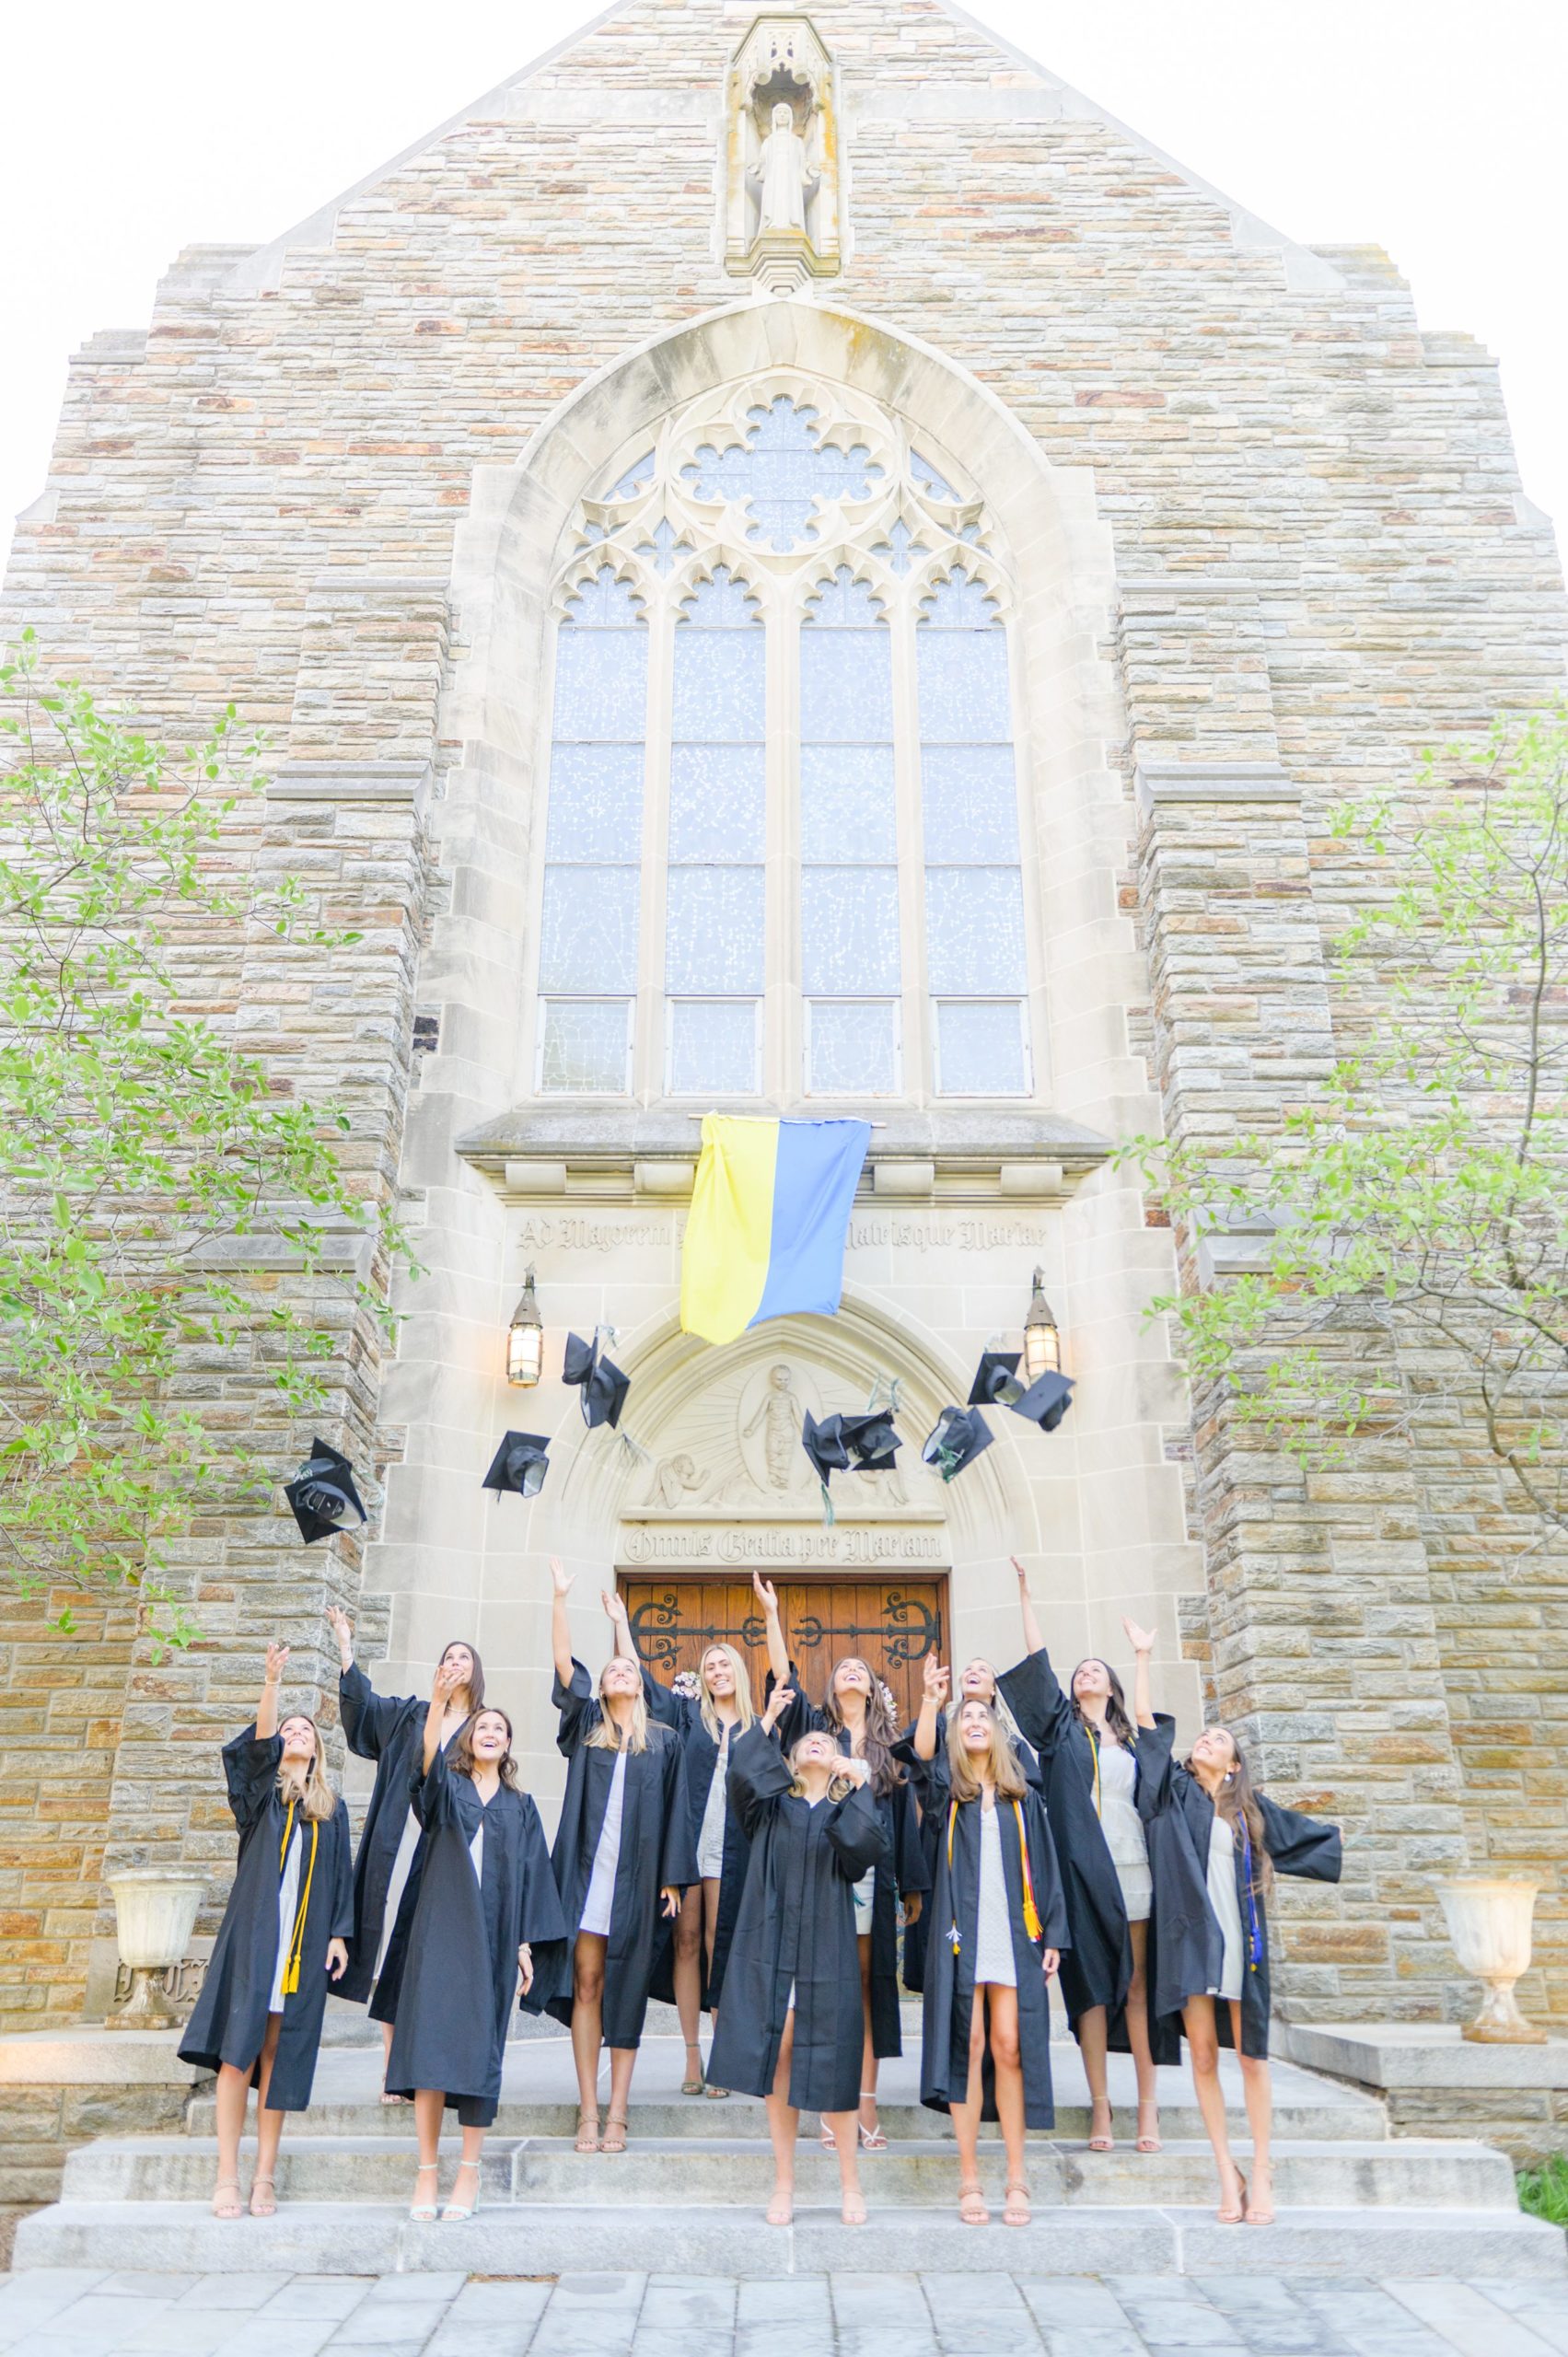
(872, 1440)
(323, 1491)
(602, 1383)
(996, 1380)
(520, 1463)
(957, 1438)
(1045, 1402)
(825, 1444)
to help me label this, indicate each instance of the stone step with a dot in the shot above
(544, 2239)
(727, 2173)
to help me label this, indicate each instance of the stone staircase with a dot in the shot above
(688, 2196)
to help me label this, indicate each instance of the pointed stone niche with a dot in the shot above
(782, 226)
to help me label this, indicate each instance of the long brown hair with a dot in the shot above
(463, 1760)
(476, 1683)
(1116, 1714)
(1001, 1763)
(882, 1733)
(1236, 1802)
(307, 1788)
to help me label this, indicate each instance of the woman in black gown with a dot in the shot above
(707, 1723)
(792, 2028)
(622, 1855)
(1086, 1743)
(389, 1729)
(284, 1932)
(856, 1715)
(1216, 1844)
(985, 2049)
(486, 1923)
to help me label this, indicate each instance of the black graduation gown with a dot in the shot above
(656, 1851)
(1186, 1945)
(1097, 1969)
(917, 1934)
(902, 1872)
(795, 1930)
(389, 1729)
(949, 1978)
(461, 1971)
(229, 2020)
(685, 1716)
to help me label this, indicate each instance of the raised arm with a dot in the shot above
(267, 1708)
(767, 1596)
(1033, 1641)
(343, 1629)
(560, 1628)
(932, 1703)
(442, 1686)
(1143, 1646)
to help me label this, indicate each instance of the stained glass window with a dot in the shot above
(781, 471)
(589, 918)
(715, 882)
(850, 969)
(977, 969)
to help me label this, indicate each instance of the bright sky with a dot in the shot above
(1430, 127)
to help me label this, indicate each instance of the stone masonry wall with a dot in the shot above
(256, 501)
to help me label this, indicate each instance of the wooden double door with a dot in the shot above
(895, 1624)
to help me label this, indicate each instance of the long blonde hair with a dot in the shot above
(308, 1788)
(743, 1701)
(606, 1736)
(838, 1785)
(1001, 1764)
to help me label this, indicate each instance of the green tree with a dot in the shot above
(1405, 1261)
(134, 1139)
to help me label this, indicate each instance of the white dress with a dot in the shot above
(710, 1835)
(790, 2007)
(1123, 1829)
(288, 1908)
(993, 1931)
(1223, 1898)
(607, 1857)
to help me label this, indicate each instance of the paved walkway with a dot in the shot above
(75, 2313)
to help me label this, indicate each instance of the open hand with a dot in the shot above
(447, 1680)
(615, 1611)
(779, 1702)
(561, 1578)
(342, 1628)
(525, 1966)
(277, 1662)
(938, 1680)
(669, 1899)
(765, 1593)
(337, 1959)
(1139, 1639)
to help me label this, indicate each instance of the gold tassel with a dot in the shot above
(297, 1944)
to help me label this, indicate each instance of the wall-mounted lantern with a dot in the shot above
(525, 1340)
(1042, 1342)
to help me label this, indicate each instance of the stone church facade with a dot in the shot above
(791, 564)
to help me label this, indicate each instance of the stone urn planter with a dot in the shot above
(154, 1913)
(1489, 1925)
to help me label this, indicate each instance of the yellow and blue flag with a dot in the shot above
(770, 1212)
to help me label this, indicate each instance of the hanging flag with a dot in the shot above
(770, 1212)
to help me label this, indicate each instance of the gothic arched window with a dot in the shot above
(782, 850)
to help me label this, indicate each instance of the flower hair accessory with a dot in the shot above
(687, 1684)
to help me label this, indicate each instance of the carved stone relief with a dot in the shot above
(783, 212)
(738, 1447)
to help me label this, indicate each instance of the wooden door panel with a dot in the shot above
(893, 1624)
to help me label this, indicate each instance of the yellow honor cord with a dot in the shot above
(1094, 1747)
(1032, 1923)
(296, 1942)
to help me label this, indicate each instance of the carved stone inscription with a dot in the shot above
(846, 1545)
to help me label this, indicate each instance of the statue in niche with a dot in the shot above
(779, 1415)
(784, 180)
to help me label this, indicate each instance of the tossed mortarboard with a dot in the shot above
(1046, 1402)
(323, 1491)
(600, 1383)
(520, 1463)
(825, 1444)
(996, 1380)
(871, 1439)
(956, 1440)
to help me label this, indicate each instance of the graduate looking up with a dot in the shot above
(1000, 1926)
(791, 2027)
(856, 1714)
(1216, 1842)
(624, 1855)
(707, 1724)
(389, 1728)
(284, 1932)
(486, 1924)
(1087, 1745)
